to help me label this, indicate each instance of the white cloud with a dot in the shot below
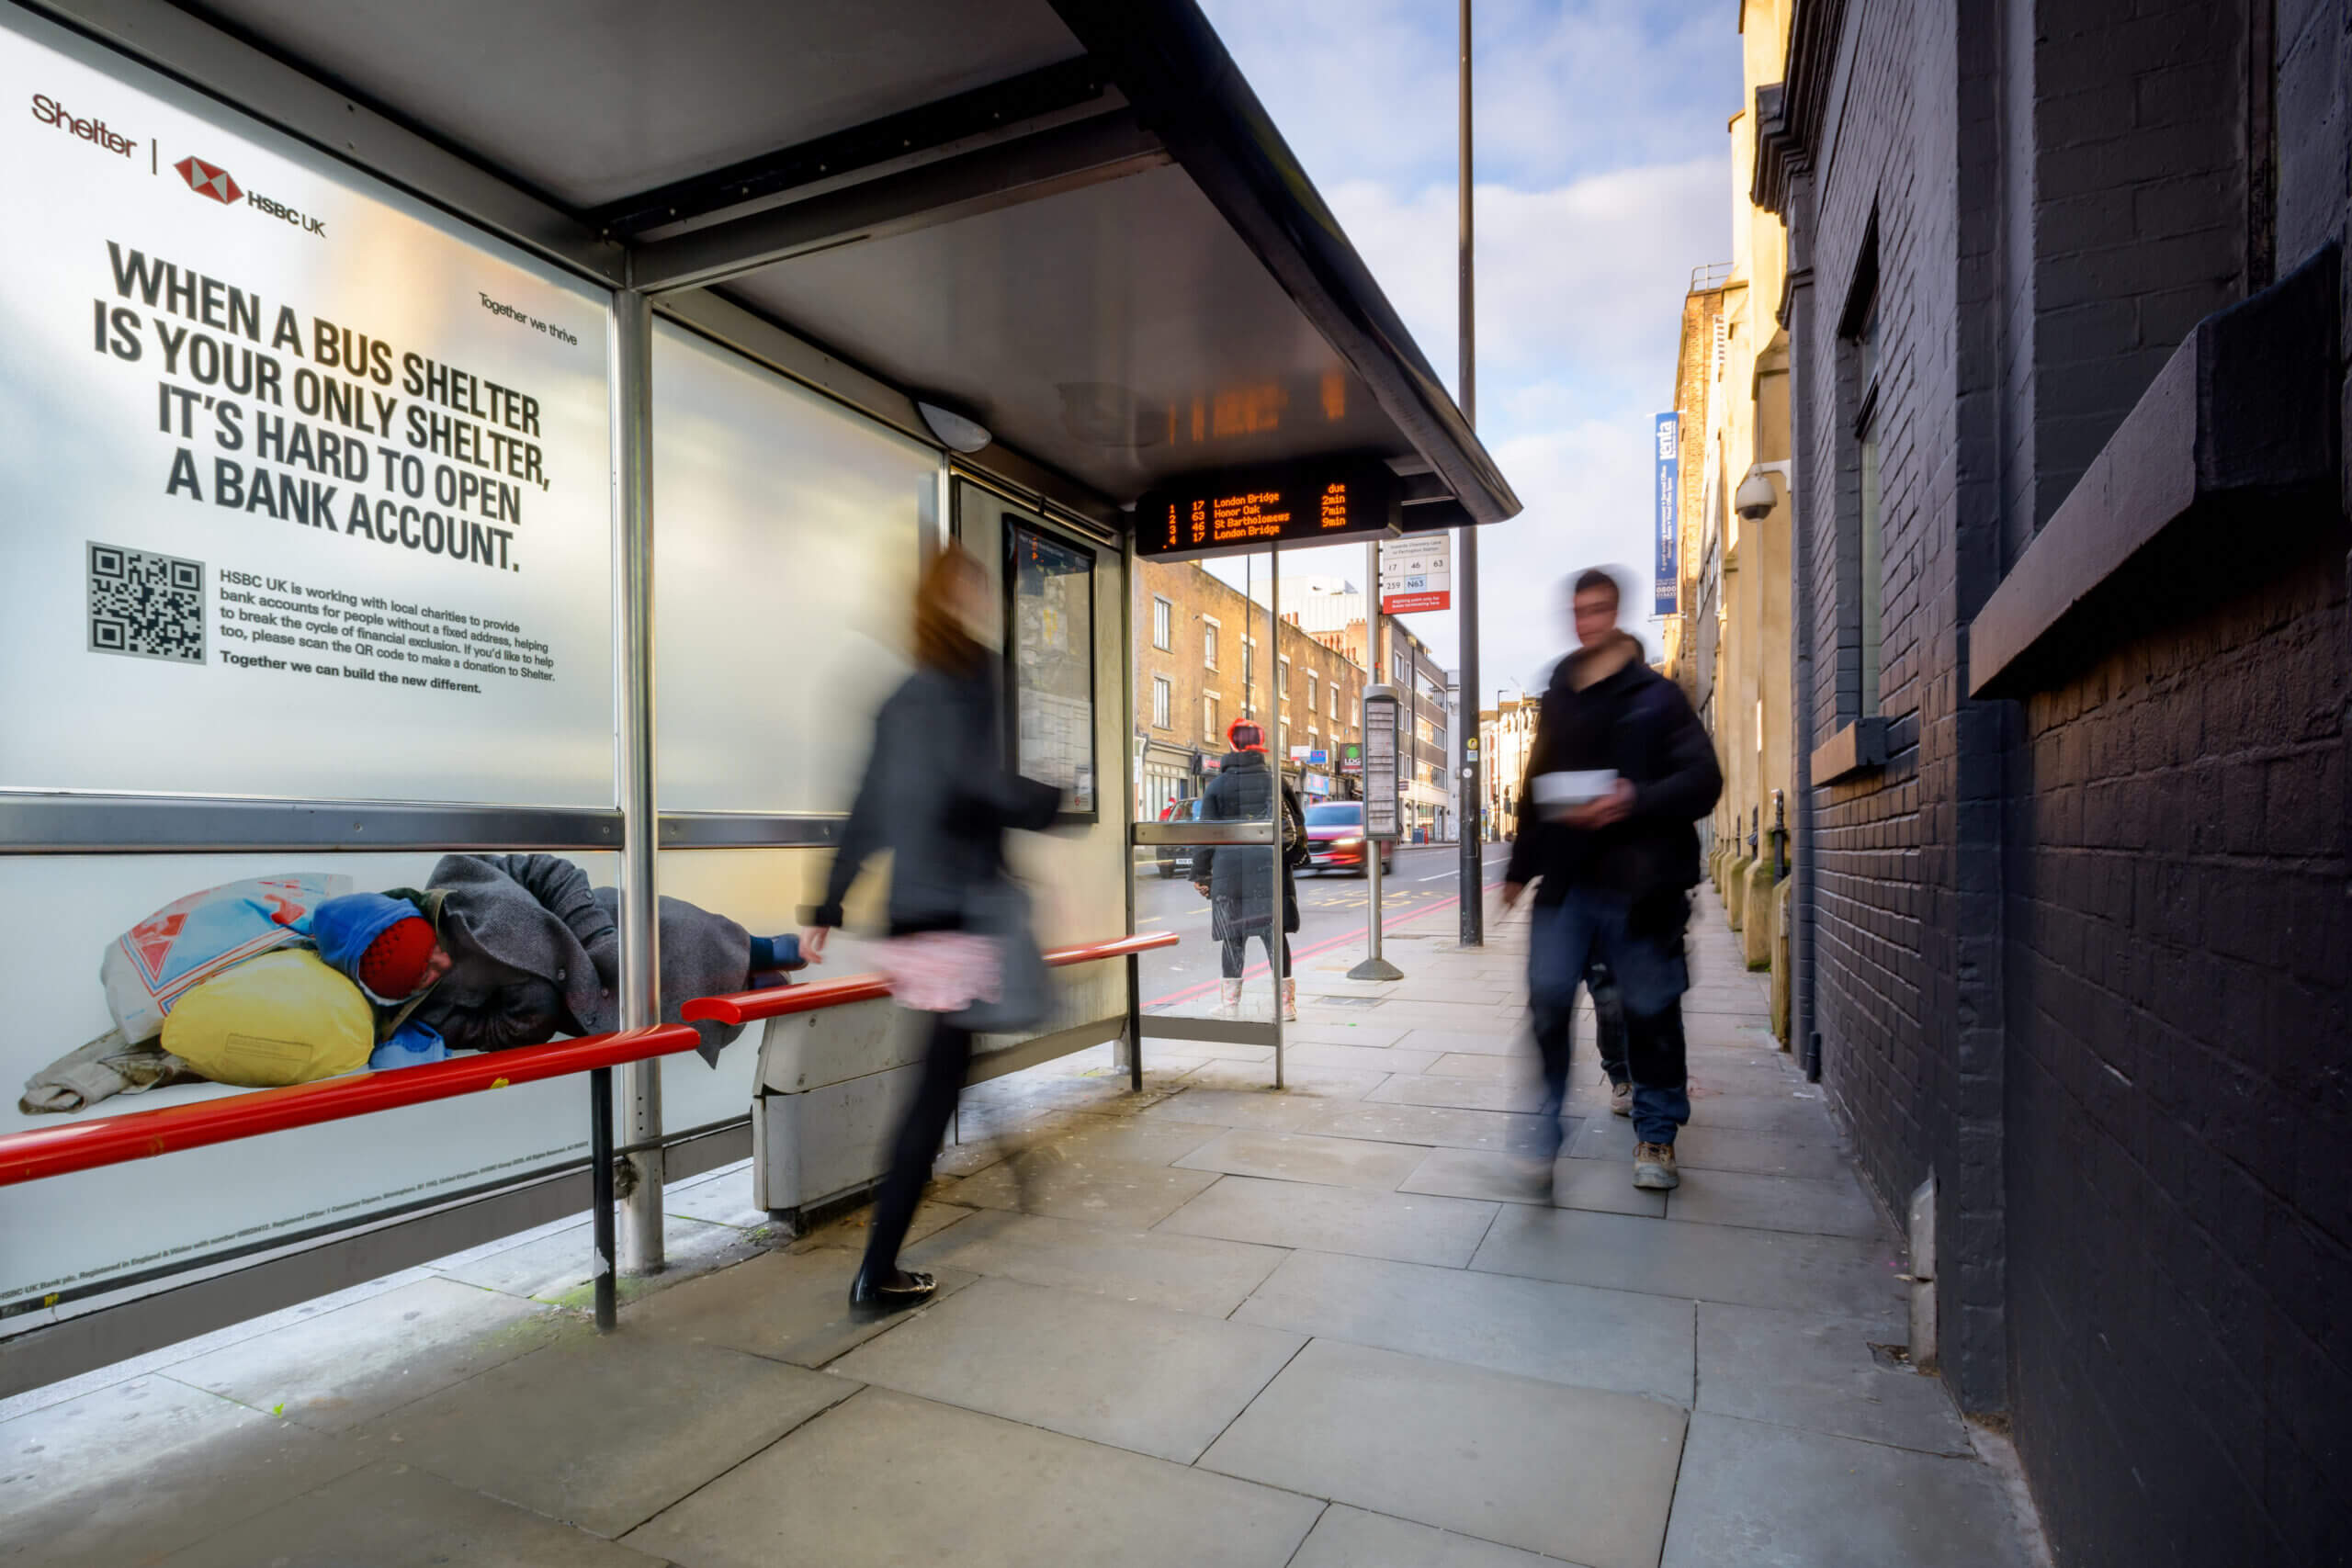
(1578, 283)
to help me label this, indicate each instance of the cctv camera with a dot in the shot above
(1754, 500)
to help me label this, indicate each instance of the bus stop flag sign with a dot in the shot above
(1669, 486)
(1416, 573)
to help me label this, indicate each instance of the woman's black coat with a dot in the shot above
(1240, 879)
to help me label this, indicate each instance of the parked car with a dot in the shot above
(1335, 838)
(1178, 858)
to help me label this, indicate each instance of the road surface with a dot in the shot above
(1420, 898)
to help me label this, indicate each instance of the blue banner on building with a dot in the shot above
(1669, 493)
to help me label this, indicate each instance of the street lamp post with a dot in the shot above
(1472, 878)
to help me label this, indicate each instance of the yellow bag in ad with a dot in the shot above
(280, 1018)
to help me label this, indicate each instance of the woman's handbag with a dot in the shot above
(999, 910)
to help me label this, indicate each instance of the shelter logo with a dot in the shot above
(209, 179)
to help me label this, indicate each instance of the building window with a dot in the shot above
(1163, 703)
(1399, 676)
(1211, 730)
(1310, 699)
(1436, 735)
(1208, 643)
(1864, 553)
(1163, 617)
(1282, 677)
(1335, 701)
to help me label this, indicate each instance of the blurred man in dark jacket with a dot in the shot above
(1618, 771)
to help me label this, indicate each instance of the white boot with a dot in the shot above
(1229, 998)
(1290, 1001)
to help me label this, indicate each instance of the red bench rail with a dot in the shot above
(141, 1135)
(744, 1007)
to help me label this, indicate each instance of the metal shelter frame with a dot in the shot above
(1150, 88)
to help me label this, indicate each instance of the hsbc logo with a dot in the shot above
(209, 179)
(212, 180)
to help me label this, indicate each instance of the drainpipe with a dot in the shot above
(1800, 626)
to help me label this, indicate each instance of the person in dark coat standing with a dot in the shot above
(937, 794)
(1238, 882)
(1619, 771)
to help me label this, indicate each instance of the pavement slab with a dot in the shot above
(345, 1367)
(1518, 1093)
(1563, 1334)
(1497, 1132)
(1181, 1273)
(1280, 1110)
(1833, 1207)
(1803, 1369)
(1465, 1449)
(785, 1307)
(1767, 1496)
(132, 1472)
(1157, 1382)
(1354, 1538)
(888, 1480)
(1404, 1226)
(1305, 1156)
(605, 1432)
(1087, 1187)
(1605, 1185)
(1837, 1275)
(1816, 1152)
(395, 1515)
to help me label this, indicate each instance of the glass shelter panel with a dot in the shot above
(789, 532)
(307, 488)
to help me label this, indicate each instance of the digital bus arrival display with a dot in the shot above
(1255, 511)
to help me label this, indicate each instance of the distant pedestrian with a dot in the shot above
(938, 796)
(1240, 882)
(1618, 773)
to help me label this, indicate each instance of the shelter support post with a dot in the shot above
(641, 986)
(600, 1190)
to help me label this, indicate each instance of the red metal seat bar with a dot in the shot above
(744, 1007)
(139, 1135)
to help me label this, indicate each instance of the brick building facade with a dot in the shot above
(2066, 315)
(1197, 669)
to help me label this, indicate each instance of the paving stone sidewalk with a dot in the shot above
(1208, 1322)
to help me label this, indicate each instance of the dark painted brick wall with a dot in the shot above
(2180, 1096)
(2085, 957)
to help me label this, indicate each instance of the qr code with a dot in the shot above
(146, 604)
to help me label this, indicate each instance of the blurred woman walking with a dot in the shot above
(937, 794)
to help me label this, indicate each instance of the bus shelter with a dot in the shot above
(440, 435)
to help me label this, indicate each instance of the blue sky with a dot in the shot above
(1603, 177)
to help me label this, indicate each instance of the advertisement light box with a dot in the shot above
(307, 485)
(1228, 513)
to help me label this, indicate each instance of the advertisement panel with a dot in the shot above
(1668, 572)
(307, 495)
(1416, 573)
(307, 487)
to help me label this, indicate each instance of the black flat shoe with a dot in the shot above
(870, 1295)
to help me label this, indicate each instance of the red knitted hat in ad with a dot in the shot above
(393, 966)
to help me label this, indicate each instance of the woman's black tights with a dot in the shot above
(944, 1066)
(1237, 952)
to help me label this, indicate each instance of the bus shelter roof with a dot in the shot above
(1069, 221)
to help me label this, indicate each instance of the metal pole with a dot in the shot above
(640, 988)
(1131, 586)
(1277, 939)
(1473, 877)
(1374, 966)
(600, 1190)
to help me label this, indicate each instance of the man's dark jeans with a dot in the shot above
(1644, 952)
